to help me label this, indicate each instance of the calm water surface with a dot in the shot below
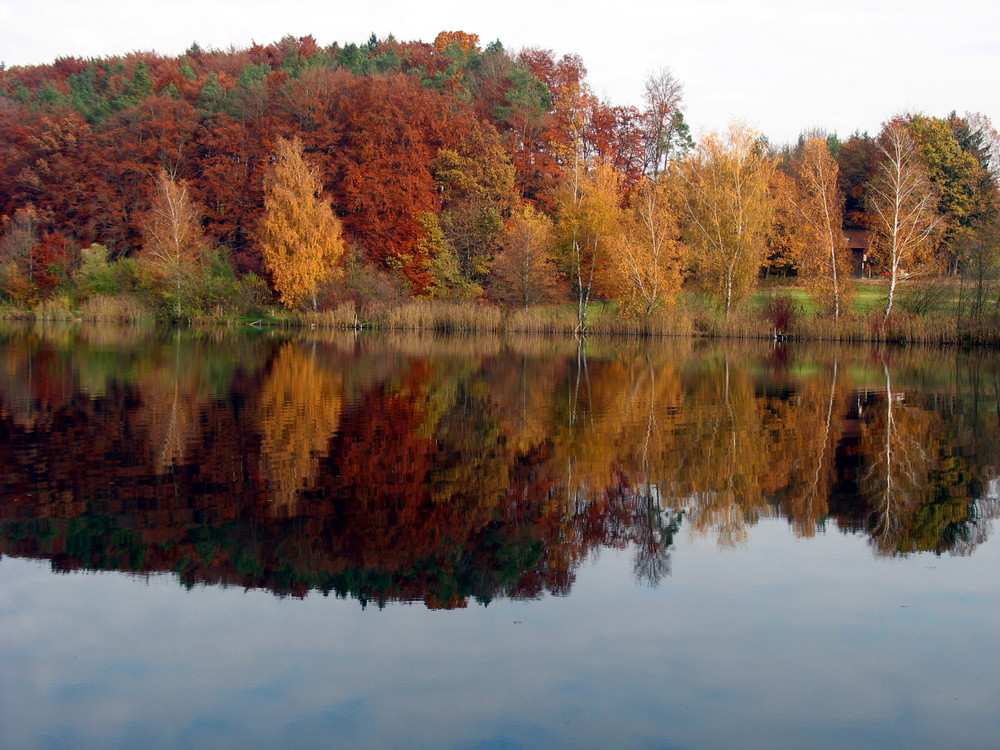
(257, 540)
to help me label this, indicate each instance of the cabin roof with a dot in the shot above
(857, 239)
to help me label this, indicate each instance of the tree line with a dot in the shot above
(312, 175)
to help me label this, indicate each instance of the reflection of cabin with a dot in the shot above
(857, 246)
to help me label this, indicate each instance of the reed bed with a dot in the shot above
(344, 315)
(601, 320)
(547, 319)
(55, 308)
(695, 321)
(119, 308)
(779, 317)
(739, 324)
(675, 321)
(434, 315)
(13, 312)
(903, 328)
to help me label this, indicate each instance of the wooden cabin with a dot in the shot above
(857, 245)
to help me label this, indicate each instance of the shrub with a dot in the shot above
(251, 295)
(925, 298)
(782, 312)
(363, 283)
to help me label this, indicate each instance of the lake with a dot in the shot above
(218, 538)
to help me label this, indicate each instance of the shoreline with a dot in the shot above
(604, 320)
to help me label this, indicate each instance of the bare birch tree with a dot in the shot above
(823, 259)
(663, 126)
(173, 242)
(728, 209)
(903, 208)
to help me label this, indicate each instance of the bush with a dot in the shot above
(97, 276)
(362, 283)
(782, 312)
(926, 298)
(215, 287)
(251, 295)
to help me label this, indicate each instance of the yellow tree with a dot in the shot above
(477, 183)
(173, 243)
(299, 236)
(788, 231)
(524, 272)
(823, 262)
(728, 209)
(648, 259)
(903, 209)
(589, 224)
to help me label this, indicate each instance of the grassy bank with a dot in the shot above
(932, 313)
(756, 319)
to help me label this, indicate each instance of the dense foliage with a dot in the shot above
(436, 158)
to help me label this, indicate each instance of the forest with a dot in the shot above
(340, 182)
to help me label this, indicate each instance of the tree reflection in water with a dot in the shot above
(449, 470)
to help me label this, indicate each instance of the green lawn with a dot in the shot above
(868, 296)
(920, 297)
(917, 296)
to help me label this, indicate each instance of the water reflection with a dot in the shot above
(446, 470)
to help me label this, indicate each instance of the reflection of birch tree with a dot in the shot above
(812, 432)
(173, 395)
(612, 441)
(899, 441)
(723, 458)
(655, 527)
(654, 524)
(580, 418)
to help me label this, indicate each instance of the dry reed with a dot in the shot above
(55, 308)
(434, 315)
(119, 308)
(343, 315)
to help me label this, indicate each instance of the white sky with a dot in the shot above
(783, 66)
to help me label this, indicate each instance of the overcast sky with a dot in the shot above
(783, 66)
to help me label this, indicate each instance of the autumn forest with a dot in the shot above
(349, 177)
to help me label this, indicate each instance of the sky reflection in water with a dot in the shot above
(782, 643)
